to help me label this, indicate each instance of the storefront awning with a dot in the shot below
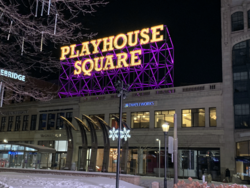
(40, 149)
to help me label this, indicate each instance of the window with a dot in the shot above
(69, 116)
(240, 76)
(51, 121)
(113, 122)
(240, 87)
(240, 54)
(42, 121)
(242, 149)
(164, 116)
(140, 120)
(25, 122)
(10, 123)
(18, 123)
(193, 118)
(59, 122)
(47, 143)
(241, 115)
(3, 124)
(95, 119)
(241, 109)
(237, 21)
(212, 117)
(33, 122)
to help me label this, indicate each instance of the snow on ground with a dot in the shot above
(29, 180)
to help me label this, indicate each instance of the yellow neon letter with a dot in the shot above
(97, 68)
(64, 51)
(134, 57)
(122, 58)
(78, 67)
(95, 44)
(91, 66)
(130, 38)
(124, 42)
(85, 48)
(145, 36)
(108, 41)
(155, 33)
(72, 51)
(109, 61)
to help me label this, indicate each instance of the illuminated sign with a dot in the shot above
(120, 41)
(12, 75)
(143, 58)
(138, 104)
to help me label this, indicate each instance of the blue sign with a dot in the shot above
(137, 104)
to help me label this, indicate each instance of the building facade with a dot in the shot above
(235, 16)
(201, 131)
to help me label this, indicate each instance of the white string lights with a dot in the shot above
(41, 48)
(22, 46)
(8, 38)
(55, 24)
(36, 8)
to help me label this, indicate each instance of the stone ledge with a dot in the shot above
(125, 177)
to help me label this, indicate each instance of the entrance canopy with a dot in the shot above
(26, 147)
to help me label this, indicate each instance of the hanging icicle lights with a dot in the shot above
(144, 36)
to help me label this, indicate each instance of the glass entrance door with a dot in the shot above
(60, 161)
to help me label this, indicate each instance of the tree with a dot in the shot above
(29, 32)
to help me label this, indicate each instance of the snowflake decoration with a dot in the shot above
(125, 134)
(113, 134)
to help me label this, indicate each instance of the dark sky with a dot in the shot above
(194, 26)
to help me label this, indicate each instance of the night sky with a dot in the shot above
(194, 26)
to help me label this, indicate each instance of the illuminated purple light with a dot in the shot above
(155, 72)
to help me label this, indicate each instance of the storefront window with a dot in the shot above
(113, 122)
(25, 122)
(10, 123)
(51, 121)
(3, 124)
(61, 145)
(69, 116)
(193, 118)
(33, 122)
(42, 121)
(18, 123)
(59, 122)
(164, 116)
(140, 120)
(212, 117)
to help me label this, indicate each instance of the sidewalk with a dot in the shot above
(146, 181)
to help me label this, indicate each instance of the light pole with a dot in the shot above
(158, 140)
(122, 93)
(165, 128)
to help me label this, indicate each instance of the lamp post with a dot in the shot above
(122, 93)
(158, 140)
(165, 128)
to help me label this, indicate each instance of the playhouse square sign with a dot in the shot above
(111, 43)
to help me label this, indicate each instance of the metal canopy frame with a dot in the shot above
(94, 144)
(105, 127)
(68, 127)
(83, 128)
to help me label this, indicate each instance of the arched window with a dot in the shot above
(237, 21)
(241, 53)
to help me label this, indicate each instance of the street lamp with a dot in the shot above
(165, 128)
(158, 140)
(122, 92)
